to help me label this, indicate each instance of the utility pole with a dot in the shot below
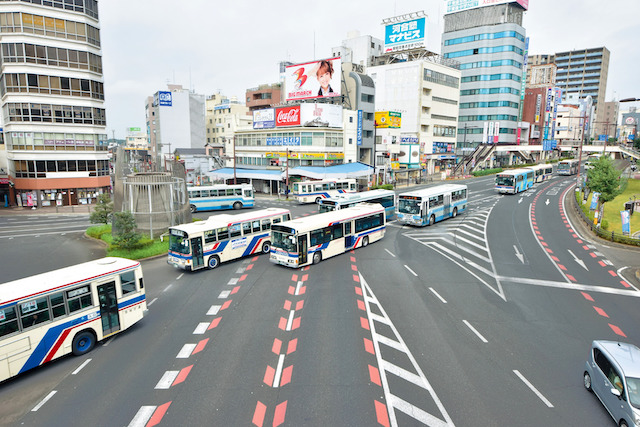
(233, 139)
(286, 190)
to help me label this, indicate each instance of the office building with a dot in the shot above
(489, 43)
(53, 102)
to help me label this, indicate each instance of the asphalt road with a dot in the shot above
(481, 320)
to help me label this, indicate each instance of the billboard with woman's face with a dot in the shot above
(316, 79)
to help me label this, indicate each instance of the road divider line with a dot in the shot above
(43, 401)
(276, 381)
(85, 363)
(180, 276)
(166, 380)
(213, 310)
(533, 389)
(389, 252)
(152, 301)
(475, 331)
(186, 351)
(410, 270)
(142, 416)
(167, 288)
(201, 328)
(444, 301)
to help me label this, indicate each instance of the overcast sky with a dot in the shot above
(230, 46)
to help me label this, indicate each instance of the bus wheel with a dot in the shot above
(455, 212)
(237, 205)
(432, 219)
(193, 208)
(318, 200)
(365, 241)
(214, 261)
(317, 257)
(83, 343)
(266, 247)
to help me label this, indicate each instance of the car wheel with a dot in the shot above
(432, 220)
(214, 261)
(193, 208)
(317, 257)
(237, 205)
(587, 381)
(623, 423)
(83, 343)
(266, 247)
(365, 241)
(318, 200)
(455, 212)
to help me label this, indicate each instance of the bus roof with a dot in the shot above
(353, 197)
(225, 220)
(218, 186)
(28, 287)
(515, 171)
(431, 191)
(321, 181)
(539, 166)
(313, 222)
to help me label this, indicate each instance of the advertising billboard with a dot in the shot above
(164, 99)
(317, 79)
(264, 119)
(388, 119)
(404, 35)
(321, 115)
(460, 5)
(288, 116)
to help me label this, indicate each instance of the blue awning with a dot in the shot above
(346, 170)
(227, 173)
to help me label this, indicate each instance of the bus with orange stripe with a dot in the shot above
(49, 315)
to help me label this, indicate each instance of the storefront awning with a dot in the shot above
(346, 170)
(227, 173)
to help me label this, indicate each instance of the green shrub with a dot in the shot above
(487, 172)
(383, 187)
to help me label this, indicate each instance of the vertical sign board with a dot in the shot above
(485, 132)
(164, 99)
(359, 130)
(404, 35)
(594, 200)
(626, 226)
(490, 134)
(496, 132)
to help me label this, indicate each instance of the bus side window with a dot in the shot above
(318, 187)
(223, 233)
(8, 321)
(246, 228)
(209, 236)
(247, 193)
(230, 191)
(128, 282)
(194, 194)
(276, 220)
(266, 224)
(332, 186)
(336, 231)
(141, 283)
(57, 305)
(238, 191)
(440, 200)
(234, 230)
(353, 187)
(256, 226)
(347, 228)
(34, 312)
(78, 298)
(204, 193)
(213, 193)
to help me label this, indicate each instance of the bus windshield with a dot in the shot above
(563, 166)
(179, 244)
(284, 241)
(409, 206)
(504, 180)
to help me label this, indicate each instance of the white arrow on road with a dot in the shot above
(547, 202)
(518, 254)
(579, 261)
(520, 201)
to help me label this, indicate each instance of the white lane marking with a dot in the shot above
(233, 281)
(85, 363)
(298, 286)
(412, 272)
(186, 351)
(577, 260)
(107, 342)
(290, 321)
(276, 381)
(167, 379)
(535, 390)
(167, 288)
(143, 416)
(475, 331)
(180, 276)
(438, 295)
(518, 254)
(224, 294)
(213, 310)
(240, 270)
(201, 328)
(389, 252)
(152, 301)
(43, 401)
(573, 286)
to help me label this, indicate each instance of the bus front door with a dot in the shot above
(196, 251)
(302, 249)
(108, 308)
(447, 205)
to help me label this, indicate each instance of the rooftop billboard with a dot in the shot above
(404, 35)
(460, 5)
(317, 79)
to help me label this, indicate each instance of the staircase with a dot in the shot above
(471, 161)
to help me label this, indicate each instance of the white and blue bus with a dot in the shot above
(428, 205)
(543, 171)
(222, 238)
(568, 167)
(49, 315)
(221, 196)
(311, 239)
(514, 181)
(314, 191)
(386, 198)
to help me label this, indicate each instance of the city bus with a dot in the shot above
(311, 239)
(588, 164)
(221, 196)
(222, 238)
(49, 315)
(428, 205)
(568, 167)
(314, 191)
(514, 180)
(543, 171)
(386, 198)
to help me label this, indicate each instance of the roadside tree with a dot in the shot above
(604, 178)
(125, 226)
(103, 211)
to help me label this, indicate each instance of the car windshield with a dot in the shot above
(409, 206)
(178, 244)
(633, 387)
(504, 180)
(283, 241)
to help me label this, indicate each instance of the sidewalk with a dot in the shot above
(47, 210)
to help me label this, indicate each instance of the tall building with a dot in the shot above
(607, 121)
(489, 42)
(535, 60)
(52, 103)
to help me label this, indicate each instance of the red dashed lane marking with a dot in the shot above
(244, 276)
(277, 345)
(214, 323)
(295, 324)
(570, 277)
(613, 273)
(225, 305)
(258, 414)
(381, 414)
(282, 324)
(287, 305)
(278, 417)
(292, 290)
(368, 345)
(549, 250)
(254, 259)
(579, 241)
(585, 247)
(545, 244)
(293, 344)
(200, 346)
(269, 375)
(625, 284)
(600, 311)
(358, 291)
(354, 267)
(617, 330)
(294, 277)
(555, 258)
(299, 305)
(249, 267)
(356, 278)
(353, 259)
(305, 277)
(602, 264)
(374, 374)
(364, 323)
(158, 414)
(593, 255)
(562, 267)
(235, 290)
(182, 375)
(361, 305)
(587, 296)
(286, 375)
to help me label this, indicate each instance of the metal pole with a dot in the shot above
(286, 189)
(234, 160)
(584, 122)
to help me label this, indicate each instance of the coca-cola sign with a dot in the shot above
(288, 116)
